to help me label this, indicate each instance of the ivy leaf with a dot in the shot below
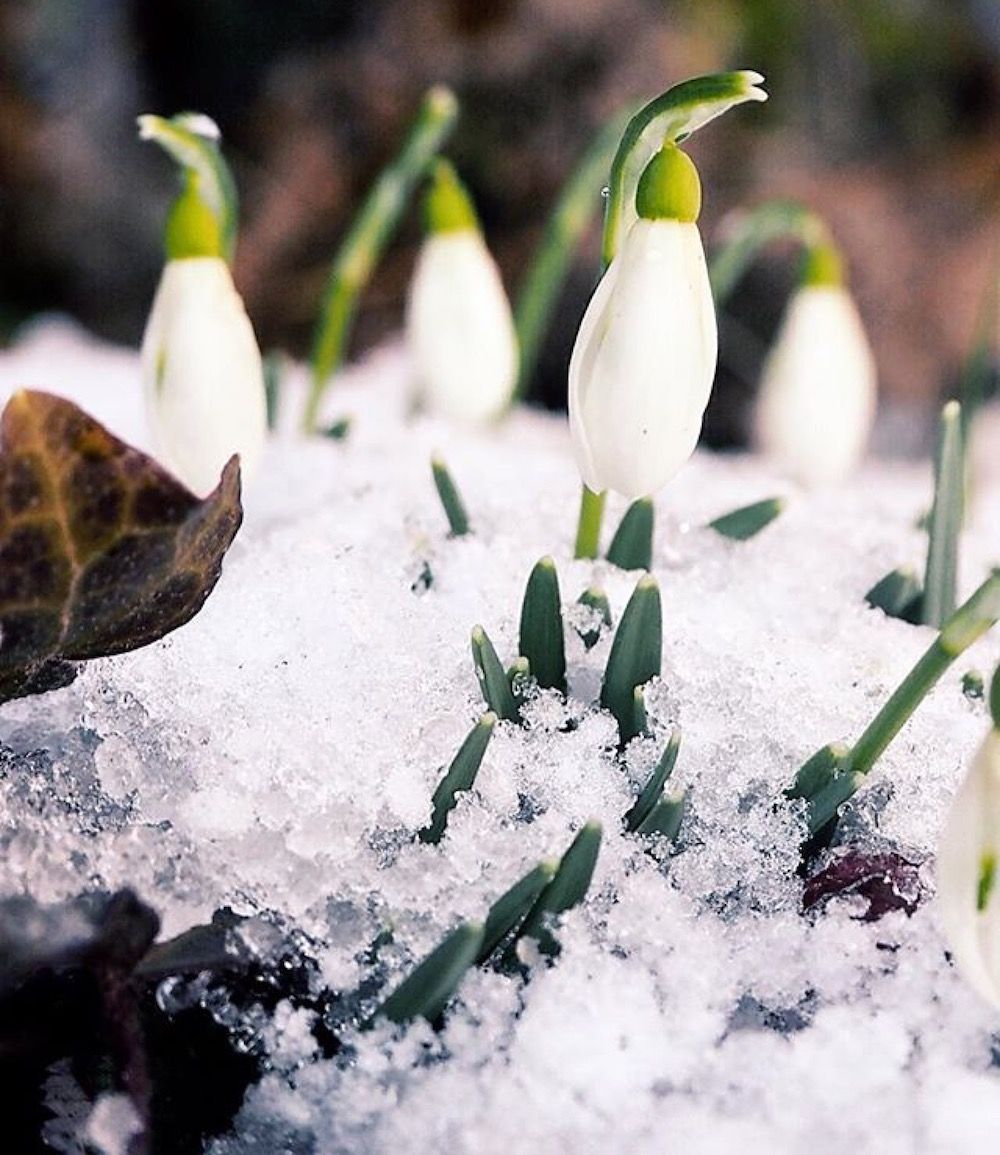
(101, 550)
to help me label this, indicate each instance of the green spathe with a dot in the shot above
(448, 207)
(669, 188)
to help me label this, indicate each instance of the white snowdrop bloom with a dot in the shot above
(644, 359)
(967, 862)
(817, 395)
(202, 374)
(459, 326)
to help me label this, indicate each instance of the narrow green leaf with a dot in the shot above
(653, 790)
(941, 575)
(596, 599)
(995, 698)
(460, 775)
(666, 816)
(512, 907)
(541, 638)
(451, 499)
(635, 655)
(898, 594)
(427, 989)
(274, 364)
(569, 887)
(749, 520)
(492, 678)
(632, 545)
(367, 238)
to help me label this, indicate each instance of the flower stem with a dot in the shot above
(969, 622)
(574, 209)
(588, 530)
(368, 236)
(941, 574)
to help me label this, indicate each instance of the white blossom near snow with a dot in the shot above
(203, 375)
(968, 859)
(817, 394)
(644, 359)
(278, 753)
(459, 325)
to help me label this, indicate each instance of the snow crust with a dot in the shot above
(278, 753)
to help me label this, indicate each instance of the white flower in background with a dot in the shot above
(967, 864)
(644, 359)
(458, 320)
(816, 402)
(202, 374)
(201, 368)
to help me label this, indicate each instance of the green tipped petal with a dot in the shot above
(822, 264)
(448, 208)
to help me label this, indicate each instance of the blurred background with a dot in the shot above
(883, 116)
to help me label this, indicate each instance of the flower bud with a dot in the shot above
(644, 359)
(816, 402)
(458, 322)
(967, 862)
(202, 374)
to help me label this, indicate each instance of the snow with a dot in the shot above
(277, 754)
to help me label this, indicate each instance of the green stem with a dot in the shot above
(941, 572)
(368, 236)
(575, 208)
(588, 530)
(969, 622)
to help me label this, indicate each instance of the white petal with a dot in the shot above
(817, 395)
(203, 375)
(972, 830)
(644, 362)
(460, 330)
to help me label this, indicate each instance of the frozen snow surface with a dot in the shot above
(277, 754)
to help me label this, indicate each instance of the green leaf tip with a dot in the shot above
(666, 816)
(653, 790)
(493, 678)
(899, 594)
(460, 776)
(427, 989)
(541, 634)
(513, 906)
(451, 499)
(747, 521)
(203, 219)
(568, 888)
(597, 600)
(632, 546)
(945, 525)
(635, 655)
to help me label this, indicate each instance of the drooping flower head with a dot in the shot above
(202, 369)
(816, 402)
(967, 864)
(644, 359)
(458, 322)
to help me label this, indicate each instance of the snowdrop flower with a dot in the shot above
(967, 861)
(644, 359)
(458, 321)
(817, 395)
(201, 367)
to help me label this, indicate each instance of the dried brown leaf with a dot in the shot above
(101, 550)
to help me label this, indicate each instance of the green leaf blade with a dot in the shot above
(635, 655)
(513, 906)
(451, 499)
(428, 988)
(459, 777)
(941, 575)
(492, 677)
(653, 790)
(541, 636)
(747, 521)
(632, 546)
